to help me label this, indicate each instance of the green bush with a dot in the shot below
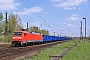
(9, 38)
(5, 39)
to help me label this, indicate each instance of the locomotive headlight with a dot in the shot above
(13, 37)
(19, 37)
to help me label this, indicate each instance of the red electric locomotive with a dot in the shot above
(25, 38)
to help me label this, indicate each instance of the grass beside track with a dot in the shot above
(81, 52)
(44, 54)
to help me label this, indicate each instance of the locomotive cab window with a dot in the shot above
(17, 33)
(24, 34)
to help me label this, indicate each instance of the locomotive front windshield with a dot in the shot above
(17, 33)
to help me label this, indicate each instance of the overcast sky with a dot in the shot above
(59, 16)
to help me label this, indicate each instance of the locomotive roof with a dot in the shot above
(27, 32)
(21, 31)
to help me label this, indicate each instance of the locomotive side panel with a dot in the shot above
(34, 37)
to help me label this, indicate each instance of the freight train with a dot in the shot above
(25, 38)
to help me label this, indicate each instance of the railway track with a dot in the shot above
(61, 55)
(10, 53)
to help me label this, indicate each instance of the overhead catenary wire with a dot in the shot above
(25, 6)
(77, 7)
(34, 6)
(36, 13)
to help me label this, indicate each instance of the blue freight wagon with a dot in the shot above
(46, 38)
(53, 38)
